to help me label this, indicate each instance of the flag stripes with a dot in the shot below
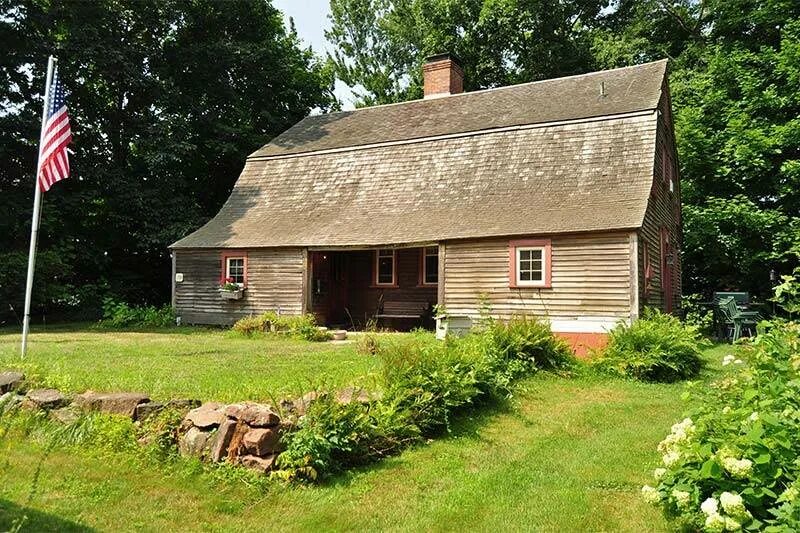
(54, 159)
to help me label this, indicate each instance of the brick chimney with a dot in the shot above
(443, 76)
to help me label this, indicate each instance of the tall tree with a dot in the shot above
(167, 98)
(380, 44)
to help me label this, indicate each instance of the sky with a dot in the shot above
(311, 20)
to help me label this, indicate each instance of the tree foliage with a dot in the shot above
(166, 100)
(734, 76)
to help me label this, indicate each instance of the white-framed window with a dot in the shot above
(235, 270)
(386, 267)
(430, 265)
(531, 266)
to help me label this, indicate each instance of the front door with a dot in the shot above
(329, 286)
(666, 269)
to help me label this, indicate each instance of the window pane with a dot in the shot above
(536, 275)
(524, 254)
(525, 276)
(536, 254)
(432, 268)
(386, 269)
(536, 265)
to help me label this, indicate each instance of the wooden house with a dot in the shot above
(557, 198)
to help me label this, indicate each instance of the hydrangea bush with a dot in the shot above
(733, 463)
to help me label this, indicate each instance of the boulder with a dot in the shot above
(253, 414)
(300, 406)
(10, 381)
(146, 410)
(44, 399)
(9, 401)
(261, 441)
(261, 464)
(65, 415)
(118, 403)
(222, 440)
(355, 394)
(207, 416)
(195, 442)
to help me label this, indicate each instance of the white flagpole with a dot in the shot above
(37, 212)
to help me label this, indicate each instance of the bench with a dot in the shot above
(402, 310)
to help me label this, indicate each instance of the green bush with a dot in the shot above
(696, 315)
(733, 462)
(303, 326)
(656, 347)
(424, 383)
(121, 315)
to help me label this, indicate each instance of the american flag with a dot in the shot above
(53, 160)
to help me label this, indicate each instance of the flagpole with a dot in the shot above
(37, 212)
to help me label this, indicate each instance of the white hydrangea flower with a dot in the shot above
(671, 459)
(681, 498)
(738, 468)
(727, 409)
(710, 506)
(728, 359)
(733, 505)
(650, 494)
(681, 433)
(715, 523)
(738, 362)
(732, 525)
(659, 473)
(753, 416)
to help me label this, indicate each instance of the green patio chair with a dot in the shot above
(737, 320)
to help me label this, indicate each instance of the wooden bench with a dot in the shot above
(402, 309)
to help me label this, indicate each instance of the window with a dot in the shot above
(430, 265)
(385, 268)
(235, 269)
(529, 263)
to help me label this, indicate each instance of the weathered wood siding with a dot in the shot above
(591, 279)
(275, 280)
(663, 210)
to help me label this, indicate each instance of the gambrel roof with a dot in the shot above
(567, 155)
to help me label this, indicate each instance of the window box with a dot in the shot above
(227, 294)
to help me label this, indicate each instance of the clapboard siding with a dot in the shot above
(590, 278)
(274, 283)
(663, 210)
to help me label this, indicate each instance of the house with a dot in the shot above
(557, 198)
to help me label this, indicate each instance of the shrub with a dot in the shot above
(303, 326)
(425, 382)
(656, 347)
(696, 315)
(733, 462)
(121, 315)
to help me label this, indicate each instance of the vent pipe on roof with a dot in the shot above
(443, 76)
(603, 89)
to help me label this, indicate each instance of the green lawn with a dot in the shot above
(564, 455)
(207, 364)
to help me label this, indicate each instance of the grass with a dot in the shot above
(207, 364)
(563, 455)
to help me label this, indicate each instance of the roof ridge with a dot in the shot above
(488, 89)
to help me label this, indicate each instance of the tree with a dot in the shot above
(166, 100)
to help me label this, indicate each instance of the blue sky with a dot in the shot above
(311, 20)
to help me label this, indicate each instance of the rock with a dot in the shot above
(300, 405)
(194, 442)
(65, 415)
(118, 403)
(261, 441)
(9, 401)
(222, 440)
(146, 410)
(253, 414)
(261, 464)
(44, 399)
(354, 394)
(208, 415)
(10, 381)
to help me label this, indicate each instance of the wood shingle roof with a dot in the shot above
(546, 157)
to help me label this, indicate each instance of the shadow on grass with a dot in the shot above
(33, 520)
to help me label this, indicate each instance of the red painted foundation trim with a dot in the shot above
(583, 343)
